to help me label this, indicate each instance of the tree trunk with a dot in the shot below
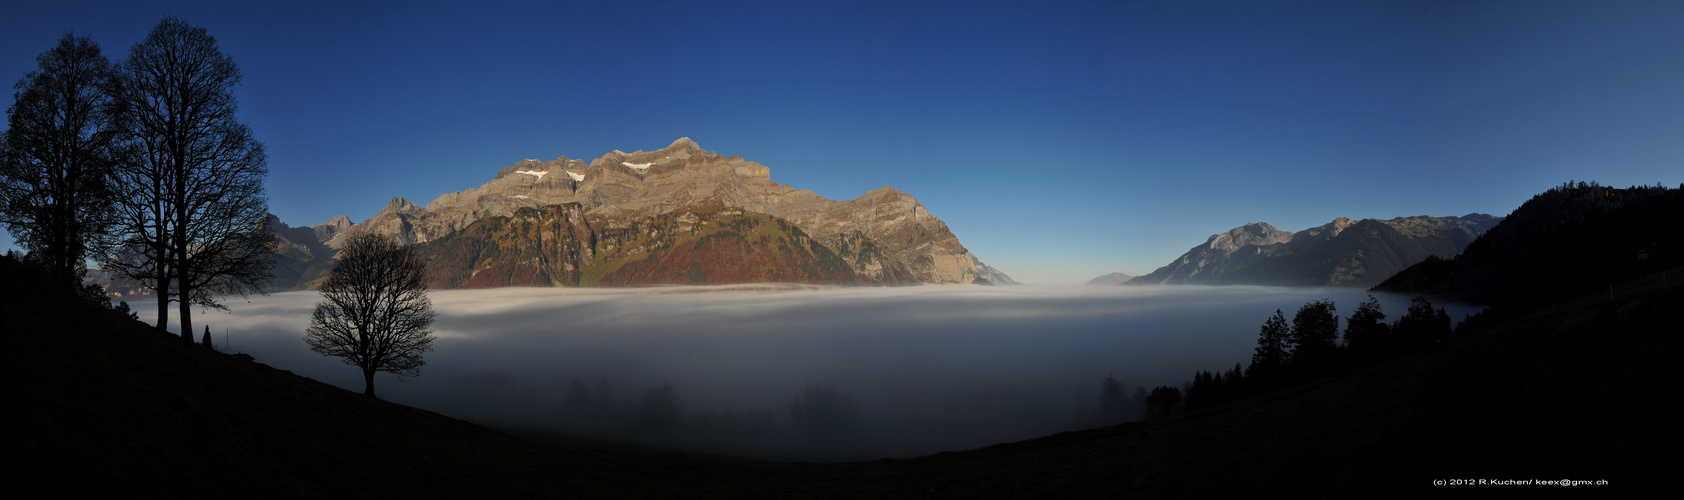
(163, 293)
(368, 381)
(179, 255)
(186, 307)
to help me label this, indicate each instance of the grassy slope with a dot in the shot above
(101, 403)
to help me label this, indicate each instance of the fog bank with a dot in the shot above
(795, 372)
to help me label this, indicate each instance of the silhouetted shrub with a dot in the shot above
(1164, 401)
(659, 410)
(1421, 327)
(822, 413)
(1366, 331)
(1114, 404)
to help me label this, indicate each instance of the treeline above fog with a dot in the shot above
(1308, 348)
(1567, 242)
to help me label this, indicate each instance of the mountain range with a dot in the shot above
(676, 215)
(1341, 253)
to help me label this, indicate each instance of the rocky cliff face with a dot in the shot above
(330, 231)
(1341, 253)
(884, 235)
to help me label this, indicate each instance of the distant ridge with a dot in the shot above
(1110, 279)
(1341, 253)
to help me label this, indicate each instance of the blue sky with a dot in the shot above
(1059, 140)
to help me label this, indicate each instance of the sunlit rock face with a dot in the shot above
(1343, 253)
(885, 235)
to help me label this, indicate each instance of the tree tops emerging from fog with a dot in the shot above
(1308, 349)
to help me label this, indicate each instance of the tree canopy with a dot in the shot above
(56, 160)
(1315, 331)
(1366, 330)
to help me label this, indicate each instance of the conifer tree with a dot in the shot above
(1272, 345)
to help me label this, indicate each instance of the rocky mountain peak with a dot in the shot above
(1256, 233)
(641, 161)
(332, 232)
(683, 144)
(399, 205)
(1340, 224)
(338, 221)
(885, 193)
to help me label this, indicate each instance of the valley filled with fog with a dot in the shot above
(794, 372)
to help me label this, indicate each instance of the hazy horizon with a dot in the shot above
(977, 365)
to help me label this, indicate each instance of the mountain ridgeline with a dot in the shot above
(1342, 253)
(677, 215)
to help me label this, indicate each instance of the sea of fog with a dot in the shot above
(794, 372)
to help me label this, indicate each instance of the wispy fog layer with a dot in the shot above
(795, 372)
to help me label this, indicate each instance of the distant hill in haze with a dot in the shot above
(1110, 279)
(1570, 240)
(1342, 253)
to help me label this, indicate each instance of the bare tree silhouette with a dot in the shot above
(57, 160)
(193, 203)
(375, 313)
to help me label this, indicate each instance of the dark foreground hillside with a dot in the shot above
(101, 404)
(1571, 240)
